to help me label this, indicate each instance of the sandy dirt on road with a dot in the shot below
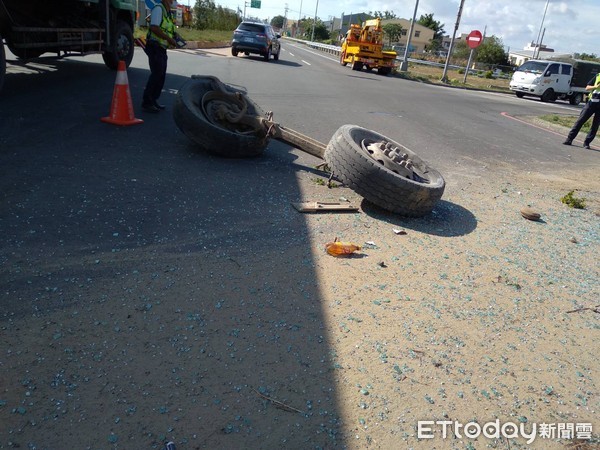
(471, 314)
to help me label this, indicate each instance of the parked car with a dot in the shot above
(253, 37)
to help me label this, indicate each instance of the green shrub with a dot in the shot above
(573, 202)
(489, 74)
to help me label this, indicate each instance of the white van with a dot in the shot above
(549, 80)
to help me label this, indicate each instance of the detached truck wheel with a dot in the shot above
(384, 172)
(235, 141)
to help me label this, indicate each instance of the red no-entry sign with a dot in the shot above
(474, 39)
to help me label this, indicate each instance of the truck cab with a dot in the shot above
(548, 80)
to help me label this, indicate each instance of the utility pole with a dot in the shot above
(538, 42)
(285, 17)
(404, 65)
(312, 39)
(299, 19)
(445, 74)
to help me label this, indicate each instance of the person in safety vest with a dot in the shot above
(592, 108)
(160, 37)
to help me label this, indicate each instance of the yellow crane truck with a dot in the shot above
(363, 47)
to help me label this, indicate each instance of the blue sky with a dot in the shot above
(571, 26)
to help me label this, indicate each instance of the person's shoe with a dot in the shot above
(150, 108)
(587, 146)
(159, 106)
(568, 142)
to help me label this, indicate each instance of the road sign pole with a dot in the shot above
(444, 78)
(468, 65)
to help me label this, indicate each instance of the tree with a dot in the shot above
(207, 16)
(278, 21)
(383, 15)
(321, 32)
(491, 51)
(392, 31)
(461, 50)
(428, 21)
(202, 11)
(587, 57)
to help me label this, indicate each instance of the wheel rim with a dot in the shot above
(123, 48)
(393, 158)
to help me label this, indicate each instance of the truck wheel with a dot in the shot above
(384, 70)
(121, 46)
(549, 96)
(238, 141)
(2, 63)
(342, 57)
(375, 167)
(576, 99)
(519, 94)
(356, 65)
(234, 52)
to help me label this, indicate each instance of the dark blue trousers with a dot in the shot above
(589, 110)
(157, 59)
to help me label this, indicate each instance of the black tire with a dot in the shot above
(267, 56)
(519, 94)
(384, 71)
(189, 117)
(121, 46)
(234, 52)
(342, 57)
(2, 63)
(549, 96)
(576, 99)
(356, 65)
(354, 166)
(276, 55)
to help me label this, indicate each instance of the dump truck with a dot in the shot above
(363, 47)
(31, 28)
(554, 79)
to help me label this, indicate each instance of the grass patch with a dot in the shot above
(190, 34)
(573, 202)
(322, 182)
(566, 121)
(433, 75)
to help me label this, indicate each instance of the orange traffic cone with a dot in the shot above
(121, 109)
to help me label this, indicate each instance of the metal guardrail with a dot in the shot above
(334, 49)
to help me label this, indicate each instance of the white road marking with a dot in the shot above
(307, 63)
(291, 54)
(316, 53)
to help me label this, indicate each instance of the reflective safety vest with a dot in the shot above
(166, 25)
(597, 82)
(595, 94)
